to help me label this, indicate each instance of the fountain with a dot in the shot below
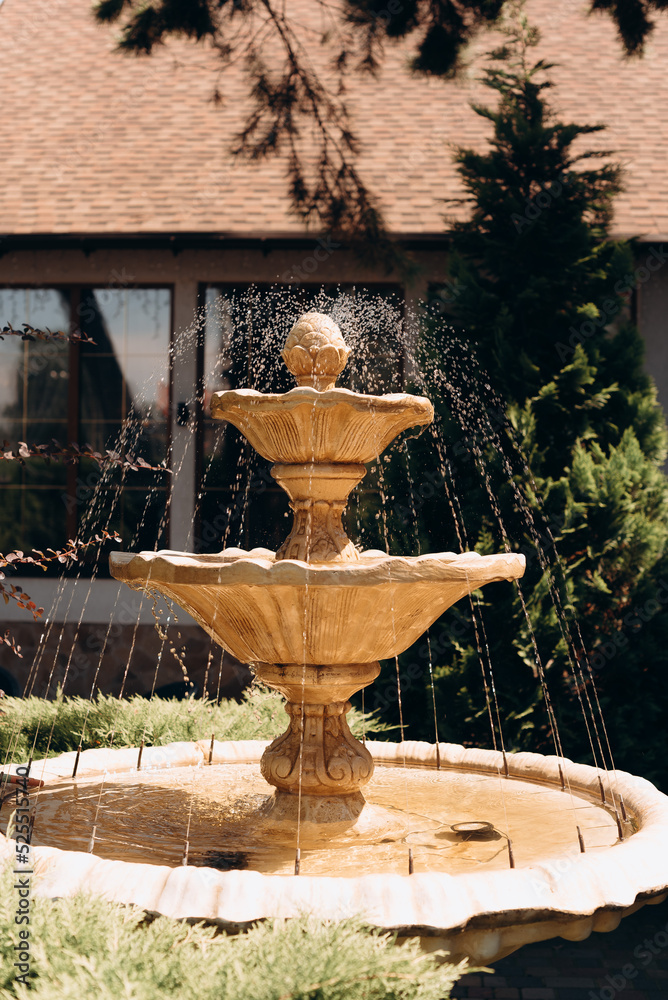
(475, 851)
(315, 618)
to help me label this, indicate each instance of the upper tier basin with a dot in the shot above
(290, 611)
(335, 426)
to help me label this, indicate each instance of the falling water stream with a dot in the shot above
(92, 813)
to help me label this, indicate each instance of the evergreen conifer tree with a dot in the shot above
(576, 446)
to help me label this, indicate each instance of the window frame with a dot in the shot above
(75, 289)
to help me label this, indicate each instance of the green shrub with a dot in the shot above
(85, 947)
(37, 727)
(553, 441)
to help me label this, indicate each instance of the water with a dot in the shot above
(143, 815)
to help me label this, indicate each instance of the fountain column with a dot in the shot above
(318, 752)
(317, 755)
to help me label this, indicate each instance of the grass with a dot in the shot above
(86, 947)
(38, 728)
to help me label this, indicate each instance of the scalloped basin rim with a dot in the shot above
(484, 915)
(300, 394)
(259, 568)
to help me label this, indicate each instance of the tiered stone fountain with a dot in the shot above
(314, 619)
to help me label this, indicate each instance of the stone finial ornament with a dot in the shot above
(315, 352)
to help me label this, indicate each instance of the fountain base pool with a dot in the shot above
(235, 815)
(474, 852)
(463, 897)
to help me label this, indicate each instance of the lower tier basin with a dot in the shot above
(463, 896)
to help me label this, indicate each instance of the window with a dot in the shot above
(124, 402)
(34, 402)
(111, 395)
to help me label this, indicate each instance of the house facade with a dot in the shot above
(123, 215)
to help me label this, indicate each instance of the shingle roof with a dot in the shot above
(97, 142)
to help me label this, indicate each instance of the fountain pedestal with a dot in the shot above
(318, 496)
(318, 754)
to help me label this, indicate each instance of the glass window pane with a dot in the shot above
(101, 435)
(46, 381)
(11, 380)
(32, 518)
(101, 389)
(219, 331)
(43, 308)
(33, 374)
(132, 330)
(125, 374)
(34, 389)
(124, 399)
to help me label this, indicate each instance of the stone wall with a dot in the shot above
(72, 654)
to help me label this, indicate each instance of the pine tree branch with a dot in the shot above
(298, 101)
(298, 107)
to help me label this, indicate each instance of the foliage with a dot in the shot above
(633, 19)
(298, 105)
(36, 727)
(85, 947)
(573, 457)
(70, 454)
(13, 592)
(31, 333)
